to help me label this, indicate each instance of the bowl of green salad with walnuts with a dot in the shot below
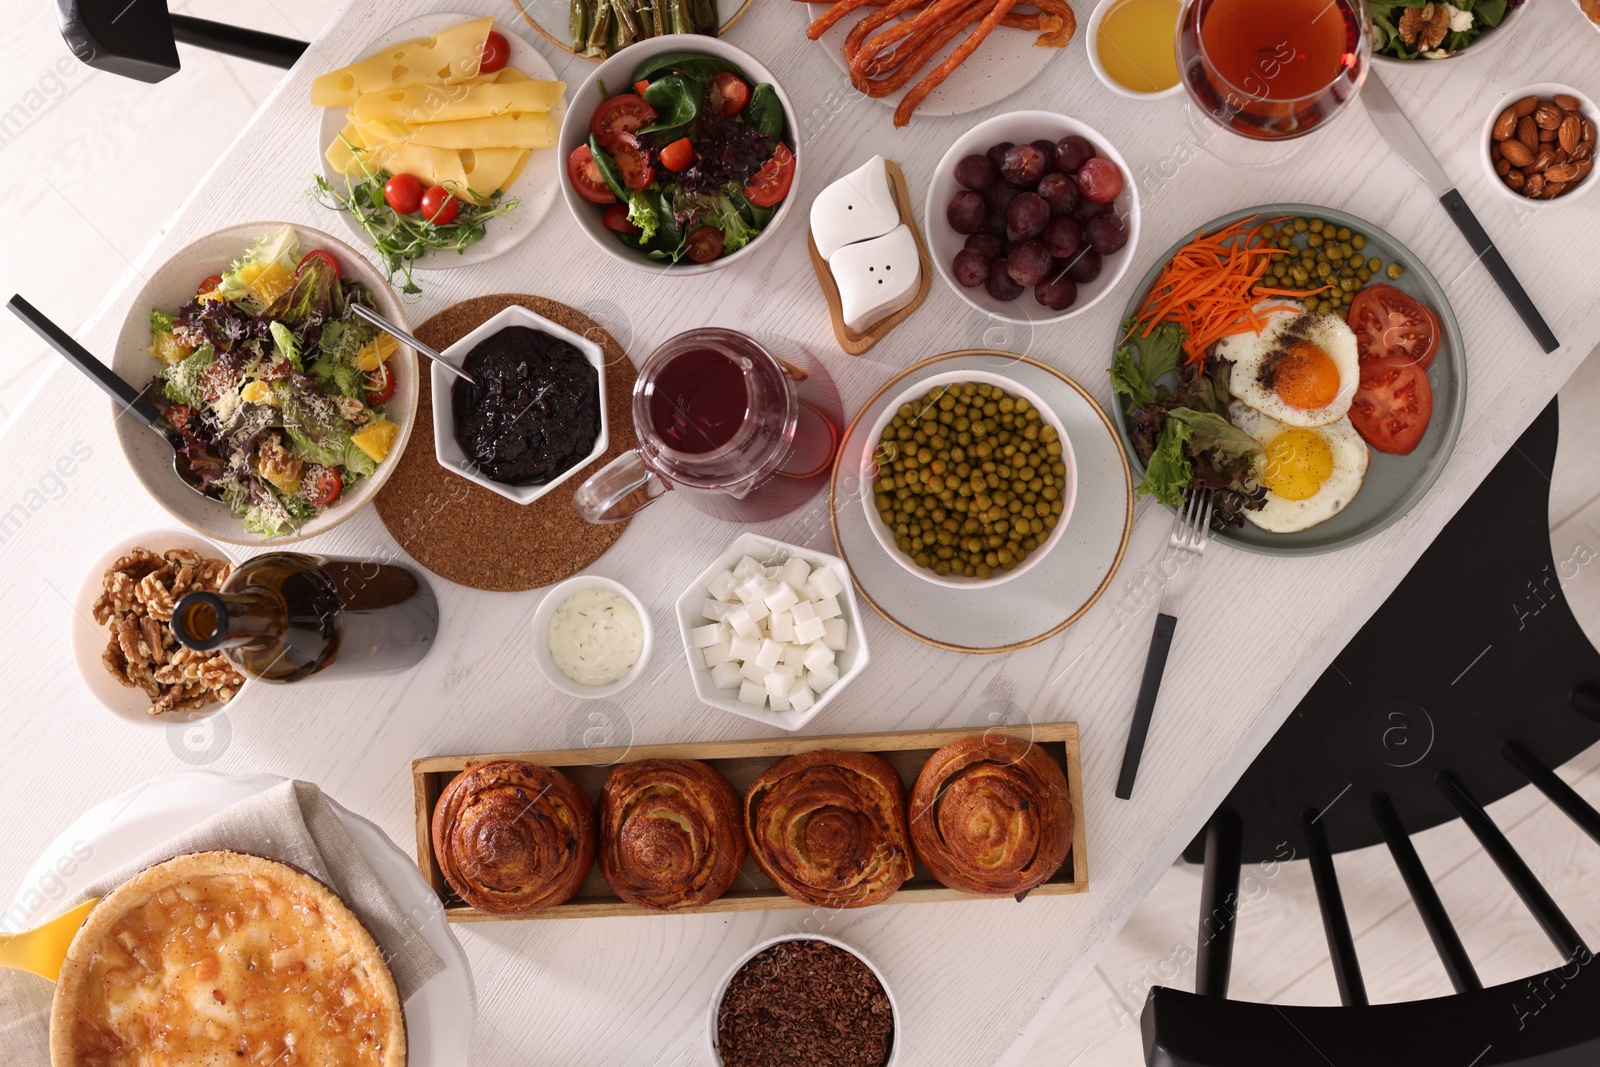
(1407, 30)
(291, 410)
(681, 155)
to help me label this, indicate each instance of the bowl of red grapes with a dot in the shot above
(1032, 217)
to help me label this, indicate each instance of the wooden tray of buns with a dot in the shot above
(740, 762)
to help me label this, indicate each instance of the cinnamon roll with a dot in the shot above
(829, 828)
(513, 837)
(991, 815)
(669, 833)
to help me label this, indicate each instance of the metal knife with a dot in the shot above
(1409, 146)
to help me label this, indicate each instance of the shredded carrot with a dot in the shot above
(1209, 288)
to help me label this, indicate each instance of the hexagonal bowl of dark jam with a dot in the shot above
(537, 414)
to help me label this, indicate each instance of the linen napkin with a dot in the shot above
(292, 823)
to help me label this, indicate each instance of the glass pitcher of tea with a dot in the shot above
(746, 430)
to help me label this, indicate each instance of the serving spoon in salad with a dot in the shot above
(364, 312)
(133, 402)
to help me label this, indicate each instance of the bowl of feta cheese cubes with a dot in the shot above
(772, 631)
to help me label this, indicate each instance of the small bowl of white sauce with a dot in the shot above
(591, 637)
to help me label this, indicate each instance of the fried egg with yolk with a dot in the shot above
(1302, 369)
(1311, 473)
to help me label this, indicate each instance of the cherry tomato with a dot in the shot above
(584, 174)
(318, 253)
(616, 218)
(439, 205)
(730, 91)
(1391, 326)
(640, 86)
(177, 415)
(678, 155)
(496, 53)
(1392, 406)
(632, 161)
(705, 244)
(403, 193)
(379, 385)
(321, 484)
(624, 113)
(772, 181)
(209, 284)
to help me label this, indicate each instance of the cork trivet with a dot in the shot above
(462, 531)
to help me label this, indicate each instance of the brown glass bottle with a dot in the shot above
(286, 616)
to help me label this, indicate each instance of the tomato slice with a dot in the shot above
(1392, 406)
(496, 53)
(616, 218)
(632, 161)
(678, 155)
(705, 244)
(403, 193)
(178, 415)
(1393, 327)
(624, 113)
(584, 174)
(208, 284)
(316, 253)
(379, 385)
(730, 91)
(772, 181)
(321, 485)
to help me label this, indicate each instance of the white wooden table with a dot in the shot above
(971, 977)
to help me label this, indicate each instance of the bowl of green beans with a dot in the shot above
(970, 481)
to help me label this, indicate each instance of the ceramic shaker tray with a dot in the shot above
(740, 762)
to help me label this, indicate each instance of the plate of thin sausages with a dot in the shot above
(941, 57)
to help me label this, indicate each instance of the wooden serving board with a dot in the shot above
(740, 762)
(849, 340)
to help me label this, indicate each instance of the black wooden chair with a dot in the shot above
(1499, 686)
(139, 38)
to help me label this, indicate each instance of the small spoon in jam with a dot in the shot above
(364, 312)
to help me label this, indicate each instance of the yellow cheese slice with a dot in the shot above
(342, 152)
(521, 129)
(452, 55)
(492, 170)
(450, 103)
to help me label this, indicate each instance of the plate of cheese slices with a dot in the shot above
(459, 103)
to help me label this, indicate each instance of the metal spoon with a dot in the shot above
(364, 312)
(133, 402)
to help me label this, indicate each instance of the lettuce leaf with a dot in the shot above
(160, 322)
(1137, 365)
(285, 345)
(1168, 472)
(1208, 432)
(642, 213)
(183, 377)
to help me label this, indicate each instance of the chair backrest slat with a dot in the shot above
(1335, 922)
(1534, 896)
(1463, 976)
(1553, 786)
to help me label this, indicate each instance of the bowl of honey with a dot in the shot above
(1130, 44)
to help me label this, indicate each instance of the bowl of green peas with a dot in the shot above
(1324, 252)
(971, 479)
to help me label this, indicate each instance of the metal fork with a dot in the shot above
(1191, 529)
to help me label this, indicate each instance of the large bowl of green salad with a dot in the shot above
(292, 409)
(681, 155)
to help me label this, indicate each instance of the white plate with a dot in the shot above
(549, 18)
(1006, 61)
(1065, 583)
(439, 1016)
(535, 187)
(89, 639)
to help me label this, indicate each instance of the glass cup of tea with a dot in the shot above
(747, 431)
(1273, 70)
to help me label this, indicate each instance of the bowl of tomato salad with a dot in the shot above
(680, 154)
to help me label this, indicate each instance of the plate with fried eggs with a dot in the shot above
(1292, 384)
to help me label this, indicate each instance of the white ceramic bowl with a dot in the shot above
(1020, 127)
(447, 450)
(171, 286)
(541, 637)
(1091, 39)
(851, 662)
(1544, 91)
(89, 639)
(617, 73)
(722, 988)
(869, 499)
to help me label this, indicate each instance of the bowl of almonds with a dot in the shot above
(1540, 141)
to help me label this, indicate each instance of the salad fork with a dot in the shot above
(1191, 529)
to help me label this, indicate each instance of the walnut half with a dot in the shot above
(1424, 27)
